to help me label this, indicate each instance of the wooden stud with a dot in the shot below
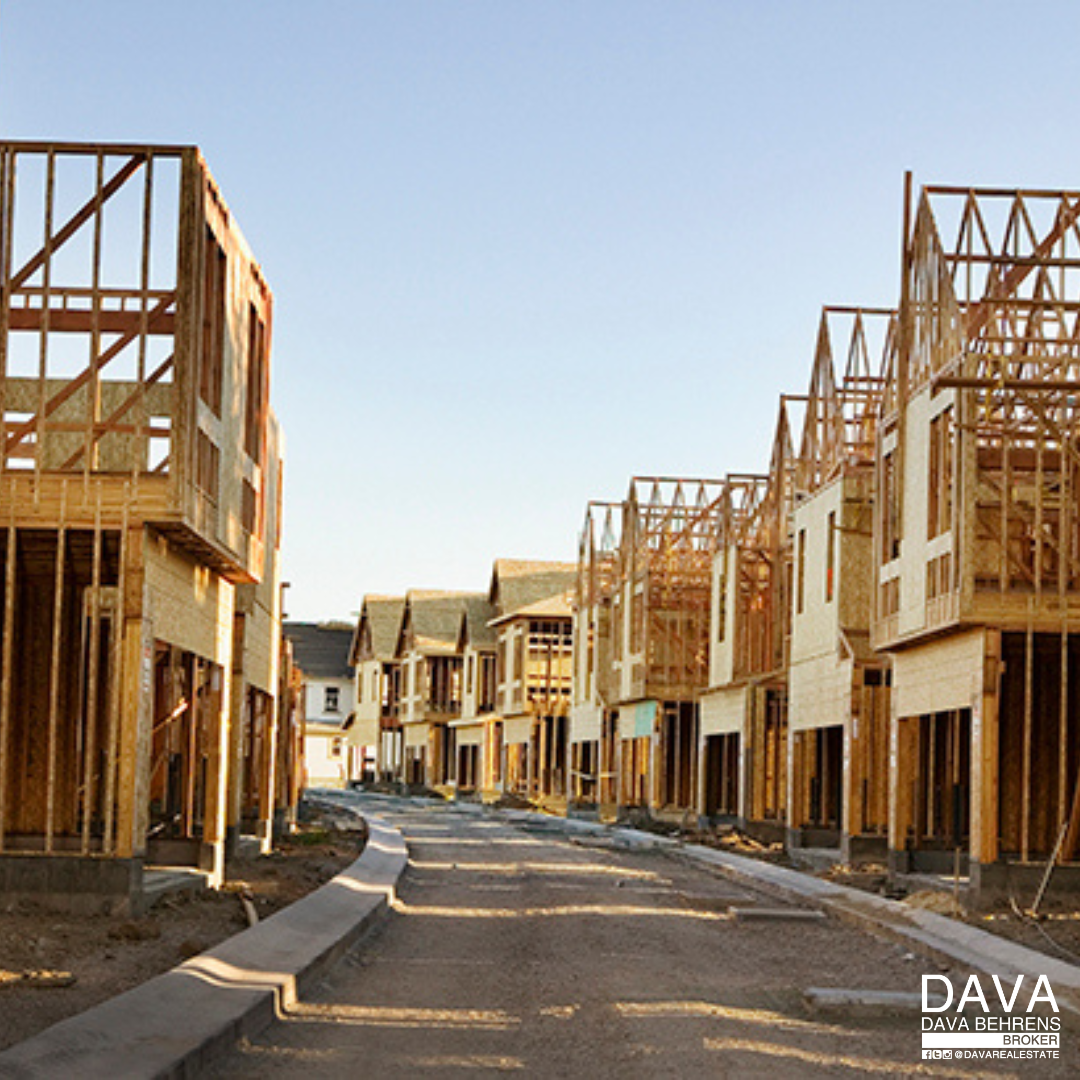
(43, 340)
(90, 722)
(116, 682)
(54, 676)
(6, 673)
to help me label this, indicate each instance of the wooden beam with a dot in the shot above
(80, 321)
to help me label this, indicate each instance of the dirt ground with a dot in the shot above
(513, 948)
(53, 966)
(1055, 932)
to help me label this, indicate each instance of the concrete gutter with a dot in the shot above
(175, 1025)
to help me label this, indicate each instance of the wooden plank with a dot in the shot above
(6, 674)
(90, 716)
(1025, 789)
(116, 671)
(7, 231)
(54, 678)
(78, 321)
(37, 422)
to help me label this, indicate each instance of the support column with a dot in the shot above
(217, 772)
(237, 766)
(136, 646)
(984, 755)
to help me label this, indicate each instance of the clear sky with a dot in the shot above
(524, 250)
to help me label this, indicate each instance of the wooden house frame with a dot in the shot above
(977, 592)
(660, 629)
(838, 703)
(736, 587)
(378, 682)
(748, 692)
(593, 741)
(140, 492)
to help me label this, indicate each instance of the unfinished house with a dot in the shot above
(431, 683)
(750, 642)
(478, 731)
(838, 694)
(139, 489)
(976, 539)
(255, 709)
(737, 589)
(660, 631)
(593, 737)
(373, 654)
(532, 619)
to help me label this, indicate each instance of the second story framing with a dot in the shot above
(660, 603)
(134, 348)
(978, 464)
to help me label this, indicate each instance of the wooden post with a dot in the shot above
(1025, 782)
(90, 722)
(116, 686)
(217, 767)
(240, 716)
(54, 673)
(43, 349)
(135, 715)
(983, 842)
(6, 674)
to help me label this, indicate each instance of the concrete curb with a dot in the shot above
(176, 1024)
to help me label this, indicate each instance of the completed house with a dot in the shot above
(321, 652)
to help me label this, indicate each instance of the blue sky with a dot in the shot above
(522, 251)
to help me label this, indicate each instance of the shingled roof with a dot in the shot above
(556, 606)
(321, 650)
(380, 619)
(518, 583)
(475, 629)
(434, 618)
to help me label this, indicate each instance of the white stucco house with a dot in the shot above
(321, 652)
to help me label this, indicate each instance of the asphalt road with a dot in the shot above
(522, 949)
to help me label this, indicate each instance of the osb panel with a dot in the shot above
(816, 628)
(261, 636)
(819, 692)
(722, 653)
(941, 675)
(416, 734)
(517, 730)
(724, 711)
(191, 607)
(473, 735)
(585, 723)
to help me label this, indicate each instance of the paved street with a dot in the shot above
(520, 948)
